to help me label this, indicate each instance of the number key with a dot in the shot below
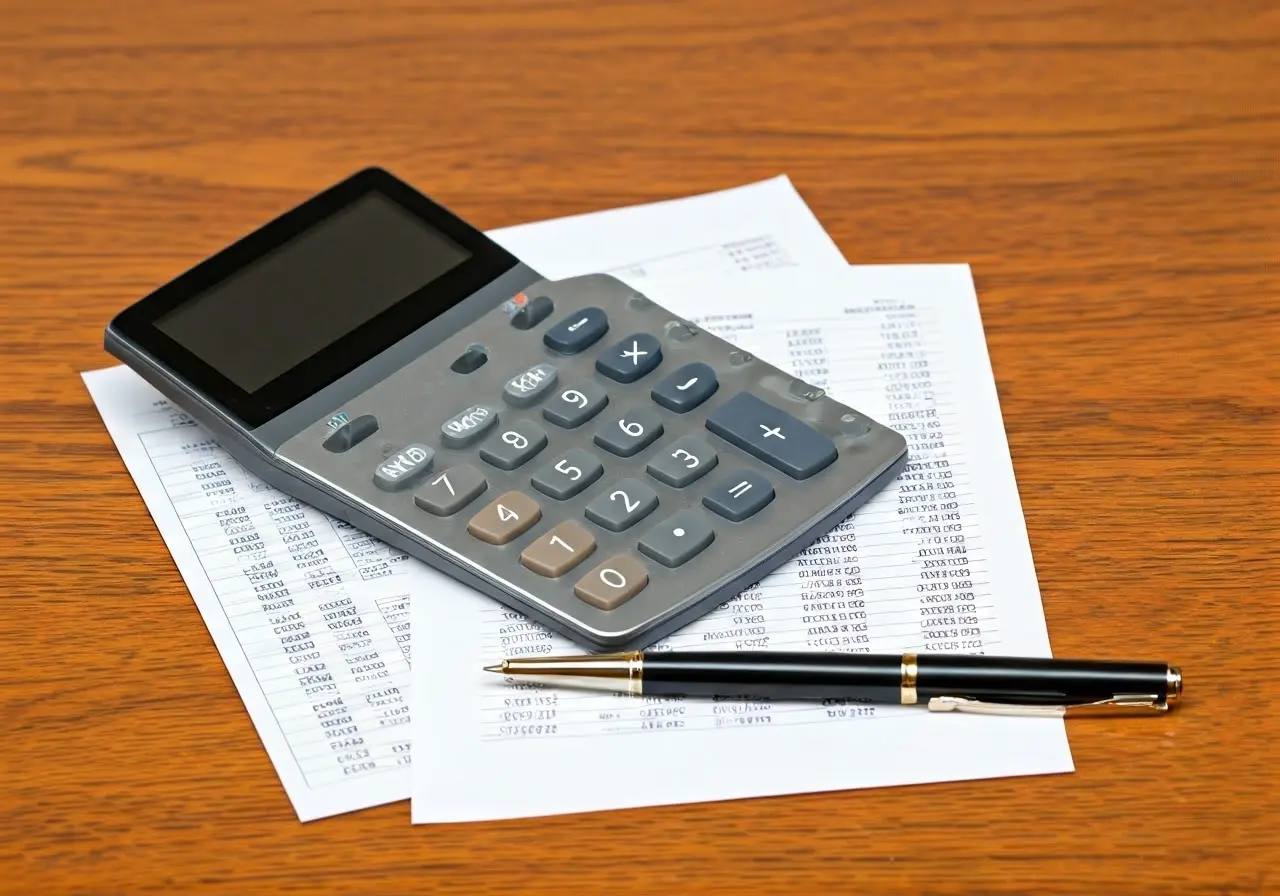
(621, 507)
(612, 583)
(569, 475)
(630, 433)
(450, 490)
(514, 445)
(508, 516)
(559, 550)
(685, 460)
(574, 407)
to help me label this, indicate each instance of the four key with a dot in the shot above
(772, 435)
(511, 514)
(631, 358)
(447, 492)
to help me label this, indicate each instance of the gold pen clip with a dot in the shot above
(1120, 704)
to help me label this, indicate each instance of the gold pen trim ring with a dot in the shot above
(910, 672)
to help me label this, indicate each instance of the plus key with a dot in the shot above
(772, 435)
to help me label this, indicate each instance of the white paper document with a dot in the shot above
(311, 616)
(939, 560)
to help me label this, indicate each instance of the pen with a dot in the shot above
(942, 682)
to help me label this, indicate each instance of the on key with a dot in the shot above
(772, 435)
(576, 332)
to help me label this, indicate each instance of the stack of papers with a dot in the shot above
(357, 715)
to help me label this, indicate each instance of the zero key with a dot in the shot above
(612, 583)
(772, 435)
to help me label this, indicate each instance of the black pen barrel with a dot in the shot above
(1033, 680)
(773, 674)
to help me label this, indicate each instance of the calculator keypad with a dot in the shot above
(684, 461)
(630, 433)
(513, 444)
(678, 539)
(568, 475)
(558, 550)
(447, 492)
(509, 515)
(630, 359)
(466, 428)
(622, 505)
(612, 583)
(528, 388)
(403, 468)
(577, 332)
(740, 494)
(687, 388)
(575, 405)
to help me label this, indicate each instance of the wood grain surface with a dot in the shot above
(1109, 170)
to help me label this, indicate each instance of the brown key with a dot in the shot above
(559, 550)
(509, 515)
(612, 583)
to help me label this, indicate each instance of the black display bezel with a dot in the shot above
(136, 324)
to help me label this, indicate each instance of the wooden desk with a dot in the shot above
(1109, 171)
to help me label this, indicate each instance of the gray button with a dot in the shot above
(679, 539)
(529, 387)
(631, 432)
(772, 435)
(687, 388)
(631, 358)
(739, 495)
(345, 434)
(513, 445)
(685, 460)
(569, 475)
(451, 490)
(574, 407)
(467, 427)
(532, 313)
(577, 331)
(402, 469)
(622, 506)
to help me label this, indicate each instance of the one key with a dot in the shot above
(513, 445)
(465, 428)
(558, 551)
(740, 494)
(612, 583)
(683, 536)
(574, 407)
(630, 433)
(685, 460)
(533, 312)
(577, 332)
(631, 358)
(404, 468)
(345, 434)
(687, 388)
(773, 436)
(528, 388)
(569, 475)
(447, 492)
(511, 514)
(621, 507)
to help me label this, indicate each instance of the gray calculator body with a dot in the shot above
(571, 448)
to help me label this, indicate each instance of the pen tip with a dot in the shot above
(497, 668)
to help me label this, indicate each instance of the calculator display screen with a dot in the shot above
(311, 291)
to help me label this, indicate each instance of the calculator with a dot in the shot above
(567, 447)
